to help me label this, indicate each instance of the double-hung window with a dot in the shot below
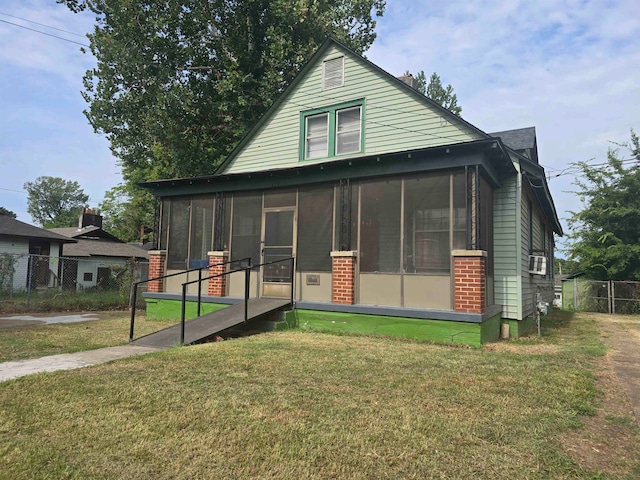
(332, 131)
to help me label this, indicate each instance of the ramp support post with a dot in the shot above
(183, 313)
(247, 272)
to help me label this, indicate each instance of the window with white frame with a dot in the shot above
(332, 131)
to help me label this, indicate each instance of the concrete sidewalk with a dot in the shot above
(69, 361)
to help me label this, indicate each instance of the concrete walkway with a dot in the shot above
(69, 361)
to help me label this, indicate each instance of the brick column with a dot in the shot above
(157, 259)
(470, 280)
(218, 285)
(343, 270)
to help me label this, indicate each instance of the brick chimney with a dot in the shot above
(90, 217)
(408, 79)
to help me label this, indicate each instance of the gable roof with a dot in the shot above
(522, 140)
(104, 248)
(89, 232)
(11, 227)
(519, 138)
(317, 57)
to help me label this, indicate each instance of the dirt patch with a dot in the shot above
(609, 441)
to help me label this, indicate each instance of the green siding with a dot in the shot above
(506, 271)
(395, 120)
(533, 284)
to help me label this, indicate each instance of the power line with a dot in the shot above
(16, 191)
(45, 33)
(43, 25)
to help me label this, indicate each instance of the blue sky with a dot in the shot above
(569, 68)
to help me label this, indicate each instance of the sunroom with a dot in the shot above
(399, 222)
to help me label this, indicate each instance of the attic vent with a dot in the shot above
(333, 73)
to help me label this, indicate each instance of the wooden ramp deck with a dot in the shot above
(207, 325)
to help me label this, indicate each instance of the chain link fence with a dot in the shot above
(41, 282)
(604, 296)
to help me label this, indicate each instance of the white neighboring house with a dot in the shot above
(18, 240)
(97, 253)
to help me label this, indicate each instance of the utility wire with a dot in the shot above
(16, 191)
(45, 33)
(44, 25)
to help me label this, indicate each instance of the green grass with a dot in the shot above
(65, 301)
(37, 341)
(308, 405)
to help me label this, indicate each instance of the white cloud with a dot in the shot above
(567, 67)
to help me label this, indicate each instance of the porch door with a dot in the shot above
(277, 244)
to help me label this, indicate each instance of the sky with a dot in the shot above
(571, 68)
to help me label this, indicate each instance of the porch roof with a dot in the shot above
(489, 154)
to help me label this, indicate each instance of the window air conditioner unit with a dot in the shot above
(537, 265)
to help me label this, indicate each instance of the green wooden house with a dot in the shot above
(403, 218)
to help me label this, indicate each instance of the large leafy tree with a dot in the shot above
(127, 213)
(53, 202)
(605, 237)
(436, 91)
(178, 83)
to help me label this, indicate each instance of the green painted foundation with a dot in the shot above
(163, 309)
(521, 328)
(443, 331)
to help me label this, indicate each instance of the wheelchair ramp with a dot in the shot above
(208, 325)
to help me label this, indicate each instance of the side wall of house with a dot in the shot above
(394, 119)
(506, 219)
(19, 249)
(532, 223)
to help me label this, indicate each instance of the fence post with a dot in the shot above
(609, 297)
(575, 294)
(30, 268)
(613, 297)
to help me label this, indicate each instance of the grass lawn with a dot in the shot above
(38, 341)
(308, 405)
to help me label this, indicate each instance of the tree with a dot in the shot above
(127, 213)
(53, 202)
(435, 91)
(178, 84)
(606, 233)
(9, 213)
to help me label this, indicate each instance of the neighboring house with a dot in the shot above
(18, 240)
(96, 252)
(392, 206)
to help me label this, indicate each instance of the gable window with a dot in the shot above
(317, 131)
(348, 130)
(333, 73)
(332, 131)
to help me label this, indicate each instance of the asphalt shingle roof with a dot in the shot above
(103, 248)
(518, 139)
(16, 228)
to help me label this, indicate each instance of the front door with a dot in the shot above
(277, 247)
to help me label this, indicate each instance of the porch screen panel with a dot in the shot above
(486, 223)
(380, 227)
(245, 231)
(353, 244)
(315, 225)
(459, 211)
(427, 221)
(164, 223)
(201, 232)
(178, 244)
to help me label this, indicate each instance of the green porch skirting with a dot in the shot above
(442, 331)
(158, 308)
